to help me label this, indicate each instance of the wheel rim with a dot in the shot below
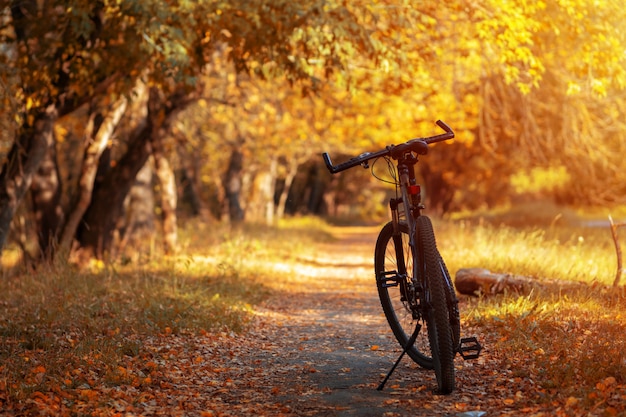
(399, 300)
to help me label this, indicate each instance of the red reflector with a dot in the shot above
(414, 189)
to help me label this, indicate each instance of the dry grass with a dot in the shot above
(541, 244)
(83, 325)
(569, 344)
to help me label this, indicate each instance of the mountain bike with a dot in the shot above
(414, 286)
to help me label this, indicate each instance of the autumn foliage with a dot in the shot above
(158, 157)
(232, 103)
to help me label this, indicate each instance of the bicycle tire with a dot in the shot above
(394, 254)
(440, 332)
(453, 305)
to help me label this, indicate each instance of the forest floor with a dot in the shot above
(318, 345)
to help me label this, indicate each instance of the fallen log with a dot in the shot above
(480, 281)
(477, 281)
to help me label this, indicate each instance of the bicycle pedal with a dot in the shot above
(469, 348)
(389, 282)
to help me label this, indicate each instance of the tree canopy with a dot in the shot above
(533, 90)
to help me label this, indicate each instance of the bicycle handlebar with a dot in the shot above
(418, 145)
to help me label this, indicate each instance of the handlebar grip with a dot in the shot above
(328, 163)
(344, 165)
(444, 126)
(444, 136)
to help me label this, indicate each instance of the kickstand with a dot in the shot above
(409, 343)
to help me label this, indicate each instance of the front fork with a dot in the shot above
(410, 286)
(395, 216)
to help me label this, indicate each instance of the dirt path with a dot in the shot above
(322, 348)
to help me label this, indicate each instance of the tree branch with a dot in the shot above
(618, 249)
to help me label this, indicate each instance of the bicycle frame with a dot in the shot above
(410, 199)
(410, 191)
(428, 296)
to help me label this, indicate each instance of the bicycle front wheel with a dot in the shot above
(393, 263)
(441, 333)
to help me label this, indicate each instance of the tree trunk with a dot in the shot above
(97, 143)
(330, 201)
(168, 195)
(261, 205)
(190, 184)
(232, 186)
(318, 185)
(137, 226)
(95, 233)
(268, 190)
(23, 160)
(477, 281)
(46, 193)
(438, 192)
(618, 249)
(284, 194)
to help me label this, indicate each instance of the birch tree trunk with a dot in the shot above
(268, 191)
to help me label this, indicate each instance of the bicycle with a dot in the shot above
(414, 285)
